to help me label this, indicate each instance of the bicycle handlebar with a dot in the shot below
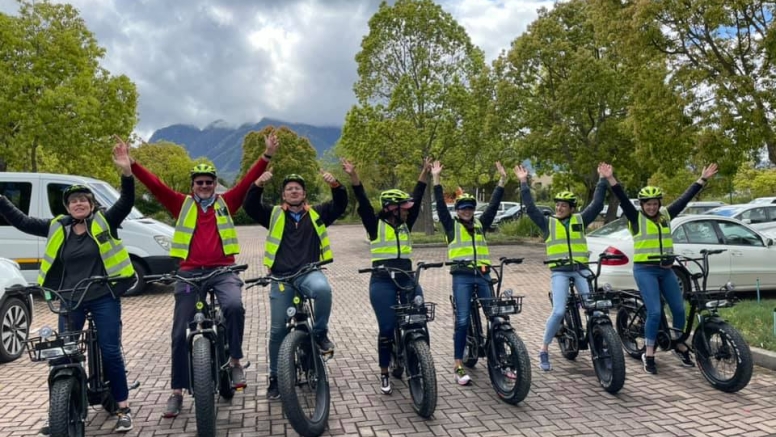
(197, 280)
(82, 285)
(263, 281)
(382, 268)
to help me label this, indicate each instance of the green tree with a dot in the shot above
(755, 182)
(58, 107)
(295, 155)
(418, 77)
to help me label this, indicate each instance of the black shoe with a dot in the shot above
(649, 364)
(684, 357)
(44, 430)
(325, 345)
(272, 390)
(124, 422)
(173, 408)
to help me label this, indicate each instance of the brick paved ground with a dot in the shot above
(566, 401)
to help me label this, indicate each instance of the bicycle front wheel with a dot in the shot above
(723, 356)
(509, 367)
(303, 384)
(66, 408)
(608, 359)
(422, 377)
(203, 386)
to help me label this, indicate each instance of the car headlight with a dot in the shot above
(163, 241)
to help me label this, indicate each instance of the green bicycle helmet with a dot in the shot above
(465, 201)
(566, 196)
(73, 189)
(203, 169)
(293, 177)
(396, 197)
(649, 193)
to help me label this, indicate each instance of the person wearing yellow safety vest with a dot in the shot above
(391, 246)
(83, 243)
(296, 236)
(564, 236)
(465, 236)
(205, 239)
(651, 229)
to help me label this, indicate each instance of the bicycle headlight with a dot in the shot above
(199, 318)
(509, 293)
(603, 304)
(46, 332)
(730, 286)
(291, 311)
(418, 301)
(607, 287)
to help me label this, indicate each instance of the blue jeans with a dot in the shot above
(463, 289)
(560, 293)
(652, 280)
(313, 285)
(382, 294)
(106, 312)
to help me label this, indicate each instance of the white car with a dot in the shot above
(15, 312)
(763, 200)
(761, 216)
(748, 258)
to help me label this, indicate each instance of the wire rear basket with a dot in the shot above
(409, 314)
(502, 306)
(56, 346)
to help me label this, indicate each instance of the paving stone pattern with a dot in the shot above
(564, 402)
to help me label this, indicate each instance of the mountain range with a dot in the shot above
(222, 143)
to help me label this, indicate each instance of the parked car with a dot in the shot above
(15, 312)
(515, 212)
(748, 256)
(40, 195)
(435, 216)
(763, 200)
(701, 207)
(759, 216)
(502, 208)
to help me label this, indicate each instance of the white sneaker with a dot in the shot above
(461, 377)
(385, 384)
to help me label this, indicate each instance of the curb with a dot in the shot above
(763, 358)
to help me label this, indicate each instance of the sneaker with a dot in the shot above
(44, 430)
(174, 404)
(684, 357)
(124, 422)
(238, 377)
(272, 390)
(544, 361)
(385, 384)
(461, 377)
(325, 345)
(649, 364)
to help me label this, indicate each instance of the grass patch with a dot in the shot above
(754, 321)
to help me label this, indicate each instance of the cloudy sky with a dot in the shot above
(198, 61)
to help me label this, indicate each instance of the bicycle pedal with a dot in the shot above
(246, 365)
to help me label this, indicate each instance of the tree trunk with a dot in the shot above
(425, 221)
(34, 156)
(611, 212)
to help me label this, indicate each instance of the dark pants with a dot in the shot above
(107, 320)
(463, 289)
(228, 288)
(382, 294)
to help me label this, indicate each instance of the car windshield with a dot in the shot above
(618, 227)
(108, 196)
(724, 211)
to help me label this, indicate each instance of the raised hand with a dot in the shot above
(121, 156)
(501, 172)
(709, 171)
(436, 168)
(348, 166)
(605, 170)
(272, 143)
(521, 173)
(328, 177)
(264, 178)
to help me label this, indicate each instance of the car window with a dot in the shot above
(771, 210)
(19, 194)
(755, 215)
(739, 235)
(679, 235)
(700, 232)
(610, 228)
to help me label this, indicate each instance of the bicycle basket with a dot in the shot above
(62, 345)
(502, 306)
(408, 314)
(601, 300)
(713, 300)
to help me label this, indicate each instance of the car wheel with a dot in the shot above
(684, 281)
(140, 285)
(14, 328)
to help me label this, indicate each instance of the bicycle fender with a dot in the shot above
(600, 321)
(413, 335)
(500, 324)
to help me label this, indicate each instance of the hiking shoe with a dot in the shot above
(124, 422)
(385, 384)
(45, 430)
(544, 361)
(272, 390)
(461, 377)
(649, 364)
(238, 377)
(325, 345)
(174, 404)
(684, 357)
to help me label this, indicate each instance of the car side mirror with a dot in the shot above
(769, 242)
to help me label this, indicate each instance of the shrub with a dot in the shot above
(523, 227)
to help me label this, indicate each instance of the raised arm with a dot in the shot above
(333, 209)
(21, 221)
(169, 198)
(253, 204)
(591, 212)
(678, 205)
(364, 209)
(630, 211)
(534, 213)
(234, 196)
(123, 206)
(441, 206)
(495, 200)
(417, 193)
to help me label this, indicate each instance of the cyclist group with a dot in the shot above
(84, 242)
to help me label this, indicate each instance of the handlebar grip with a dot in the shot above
(364, 270)
(239, 268)
(505, 260)
(430, 265)
(324, 262)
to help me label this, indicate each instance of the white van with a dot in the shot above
(40, 195)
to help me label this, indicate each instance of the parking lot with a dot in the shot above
(564, 402)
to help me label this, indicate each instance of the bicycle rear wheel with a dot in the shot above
(568, 341)
(630, 328)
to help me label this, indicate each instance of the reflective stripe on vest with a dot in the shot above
(568, 243)
(187, 222)
(277, 224)
(464, 247)
(388, 245)
(653, 238)
(115, 257)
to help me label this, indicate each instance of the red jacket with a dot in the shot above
(206, 249)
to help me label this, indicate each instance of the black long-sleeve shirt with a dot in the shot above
(370, 220)
(589, 214)
(76, 259)
(674, 209)
(300, 244)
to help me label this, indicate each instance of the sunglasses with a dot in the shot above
(206, 183)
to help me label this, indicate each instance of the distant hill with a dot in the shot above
(222, 144)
